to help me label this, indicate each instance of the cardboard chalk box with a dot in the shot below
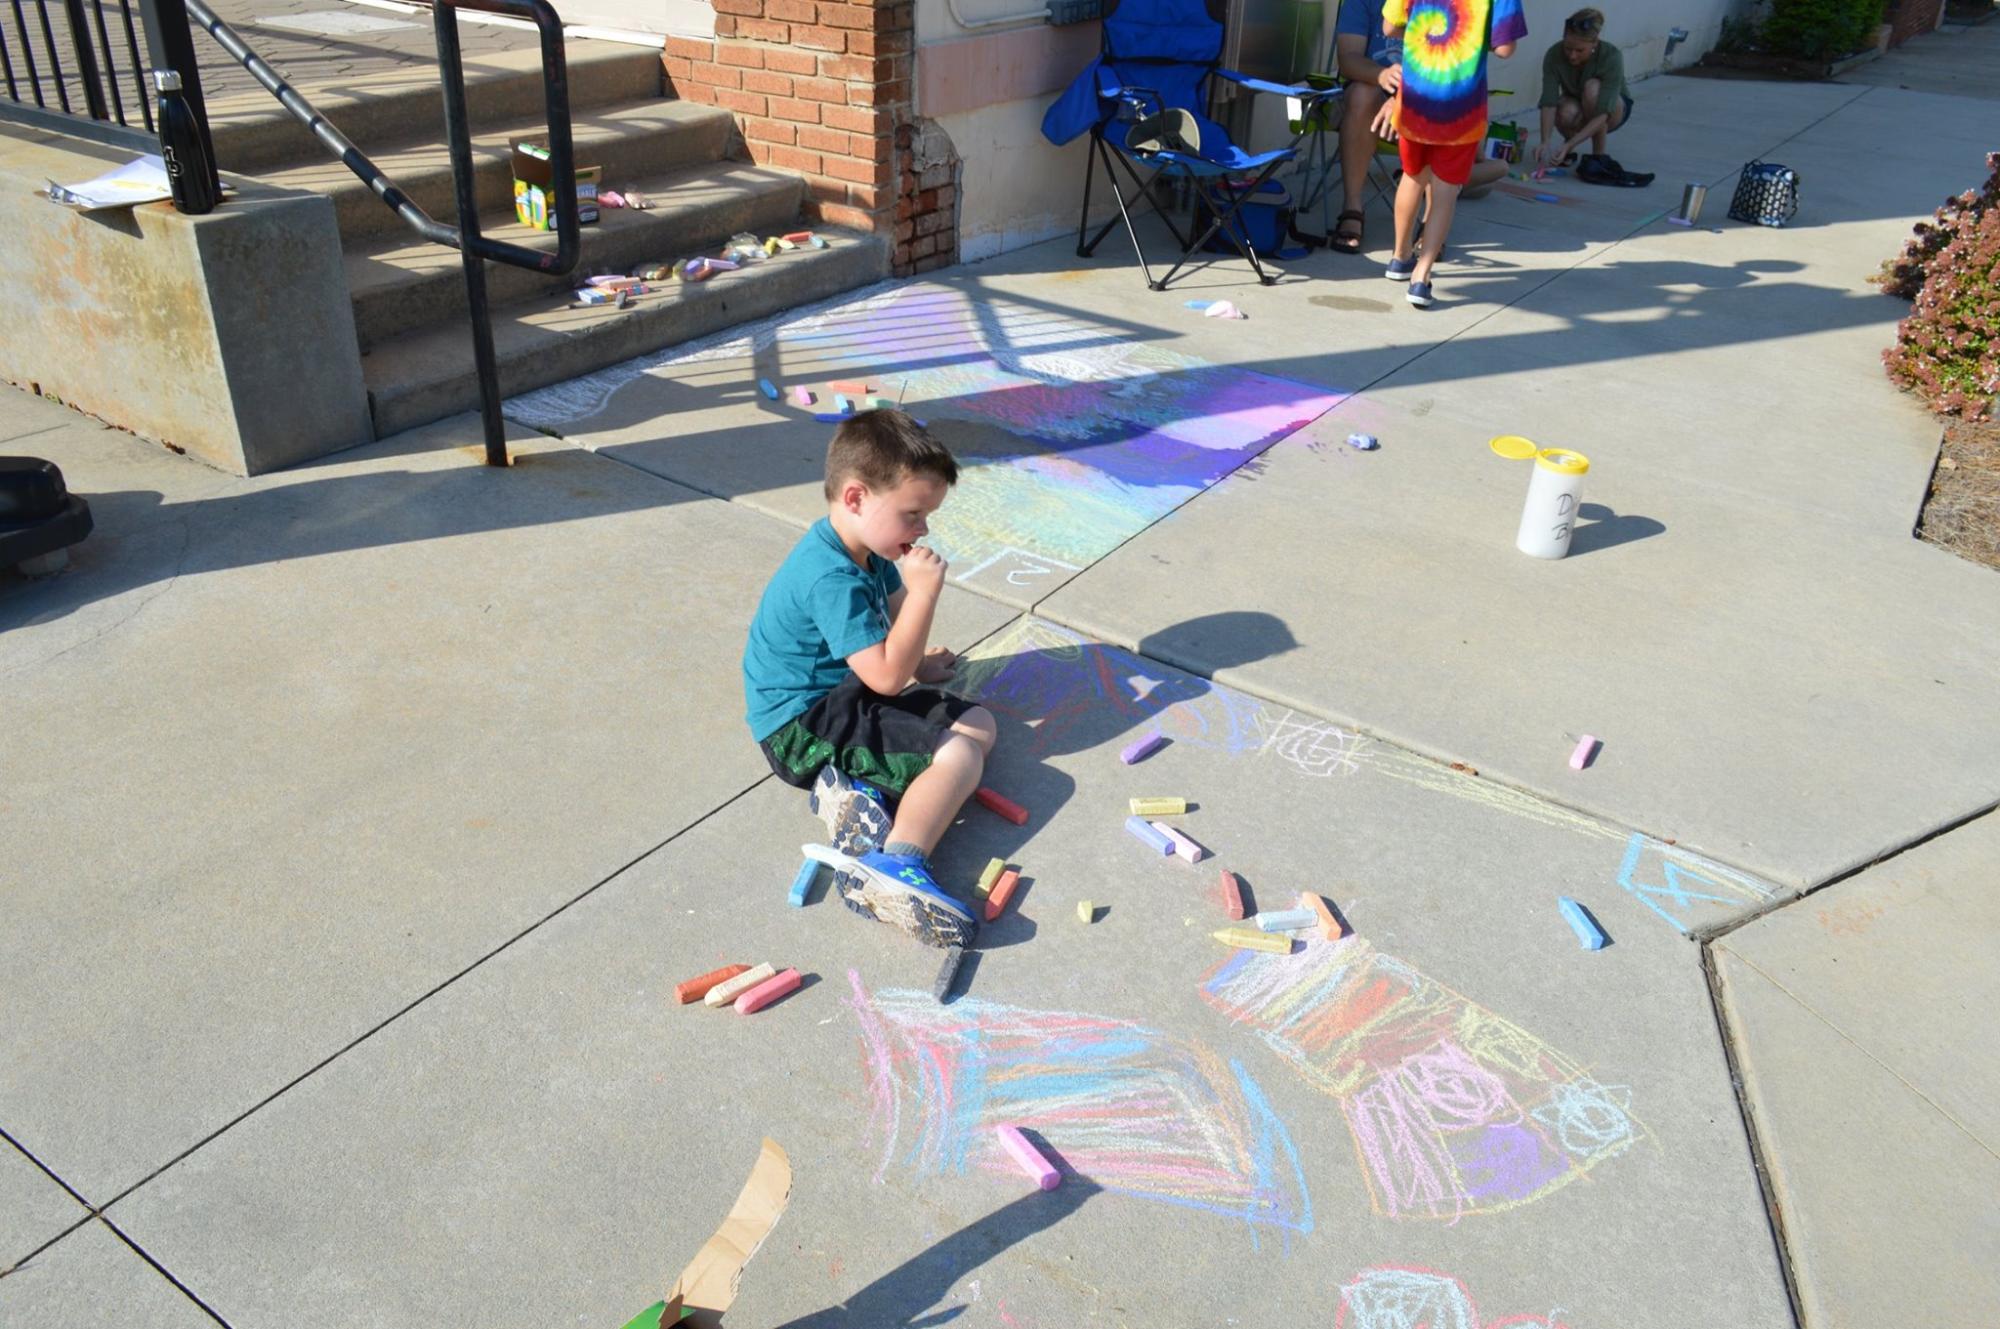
(534, 195)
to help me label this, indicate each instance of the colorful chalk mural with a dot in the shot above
(1393, 1297)
(1452, 1109)
(1136, 1111)
(1074, 433)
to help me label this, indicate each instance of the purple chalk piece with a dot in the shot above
(1143, 748)
(1142, 831)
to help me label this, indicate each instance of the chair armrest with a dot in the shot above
(1300, 90)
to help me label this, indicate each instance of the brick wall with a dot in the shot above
(1909, 18)
(823, 88)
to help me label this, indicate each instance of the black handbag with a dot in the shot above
(1767, 194)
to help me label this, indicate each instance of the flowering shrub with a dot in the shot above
(1948, 349)
(1904, 275)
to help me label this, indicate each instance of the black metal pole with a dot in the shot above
(458, 134)
(86, 59)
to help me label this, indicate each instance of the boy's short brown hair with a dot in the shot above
(882, 448)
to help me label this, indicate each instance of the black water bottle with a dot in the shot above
(184, 149)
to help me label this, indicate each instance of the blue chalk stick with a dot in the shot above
(826, 418)
(1547, 198)
(1587, 932)
(1198, 304)
(803, 883)
(841, 402)
(1142, 830)
(768, 388)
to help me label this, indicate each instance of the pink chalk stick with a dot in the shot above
(1232, 894)
(1030, 1158)
(1143, 748)
(1183, 847)
(768, 991)
(1586, 748)
(803, 396)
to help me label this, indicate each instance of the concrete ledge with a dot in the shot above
(229, 336)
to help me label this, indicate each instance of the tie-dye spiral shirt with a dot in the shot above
(1444, 63)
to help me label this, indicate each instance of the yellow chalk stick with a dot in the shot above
(991, 875)
(1251, 939)
(1158, 807)
(1086, 911)
(722, 994)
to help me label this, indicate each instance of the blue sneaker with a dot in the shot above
(1420, 294)
(899, 890)
(1399, 269)
(856, 821)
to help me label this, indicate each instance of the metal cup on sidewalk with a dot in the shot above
(1692, 195)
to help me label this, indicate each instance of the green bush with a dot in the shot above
(1820, 29)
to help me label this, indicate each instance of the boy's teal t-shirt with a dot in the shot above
(819, 609)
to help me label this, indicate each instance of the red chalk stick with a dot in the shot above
(697, 988)
(1002, 806)
(1002, 892)
(1330, 925)
(1232, 894)
(768, 991)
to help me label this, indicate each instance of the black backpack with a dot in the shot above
(1767, 194)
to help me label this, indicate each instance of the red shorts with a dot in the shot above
(1451, 163)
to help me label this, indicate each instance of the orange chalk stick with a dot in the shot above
(768, 991)
(1330, 924)
(1232, 894)
(856, 387)
(697, 988)
(1002, 892)
(1002, 806)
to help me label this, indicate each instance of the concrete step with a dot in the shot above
(400, 283)
(427, 375)
(632, 141)
(252, 133)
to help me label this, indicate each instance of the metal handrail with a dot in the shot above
(464, 237)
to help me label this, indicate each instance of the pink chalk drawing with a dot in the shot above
(1452, 1109)
(1136, 1111)
(1396, 1297)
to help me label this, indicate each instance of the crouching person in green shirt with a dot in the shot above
(1583, 90)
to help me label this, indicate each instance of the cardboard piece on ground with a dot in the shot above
(707, 1286)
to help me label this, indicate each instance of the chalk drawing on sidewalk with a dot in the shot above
(1136, 1111)
(1394, 1297)
(1452, 1109)
(1681, 886)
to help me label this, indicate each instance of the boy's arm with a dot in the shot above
(888, 666)
(895, 603)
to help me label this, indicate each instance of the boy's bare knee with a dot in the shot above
(979, 725)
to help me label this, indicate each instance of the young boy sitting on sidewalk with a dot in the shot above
(838, 639)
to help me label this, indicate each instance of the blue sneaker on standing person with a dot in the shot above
(837, 674)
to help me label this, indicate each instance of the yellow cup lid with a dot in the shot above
(1561, 459)
(1513, 447)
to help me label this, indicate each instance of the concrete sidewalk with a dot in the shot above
(362, 816)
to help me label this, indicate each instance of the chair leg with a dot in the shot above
(1089, 175)
(1126, 215)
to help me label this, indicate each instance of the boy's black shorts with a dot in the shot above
(887, 741)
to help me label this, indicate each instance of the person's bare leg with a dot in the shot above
(935, 797)
(1409, 198)
(1486, 173)
(1357, 142)
(1444, 199)
(1569, 116)
(1591, 88)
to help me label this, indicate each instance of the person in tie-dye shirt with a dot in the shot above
(1441, 115)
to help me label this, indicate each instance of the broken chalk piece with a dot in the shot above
(802, 396)
(1285, 920)
(1183, 846)
(624, 300)
(1086, 912)
(1331, 925)
(1232, 894)
(1143, 748)
(817, 242)
(842, 403)
(1580, 922)
(1249, 939)
(1001, 806)
(1363, 442)
(695, 988)
(947, 973)
(879, 404)
(1680, 221)
(1030, 1158)
(1147, 834)
(771, 246)
(1223, 309)
(1158, 807)
(990, 875)
(1002, 892)
(1197, 304)
(768, 388)
(610, 198)
(1586, 748)
(727, 991)
(802, 883)
(768, 991)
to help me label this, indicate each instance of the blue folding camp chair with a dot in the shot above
(1146, 84)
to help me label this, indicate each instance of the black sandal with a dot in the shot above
(1348, 244)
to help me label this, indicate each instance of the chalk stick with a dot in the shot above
(1001, 806)
(1144, 832)
(1331, 925)
(1183, 846)
(768, 388)
(1679, 221)
(1142, 748)
(768, 991)
(1363, 442)
(1232, 894)
(947, 973)
(802, 396)
(1086, 912)
(1030, 1158)
(1590, 936)
(1197, 304)
(771, 246)
(829, 418)
(699, 987)
(841, 403)
(1285, 920)
(802, 883)
(797, 237)
(1158, 807)
(1003, 891)
(730, 988)
(1250, 939)
(855, 386)
(879, 404)
(1547, 198)
(817, 242)
(990, 874)
(722, 264)
(1586, 748)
